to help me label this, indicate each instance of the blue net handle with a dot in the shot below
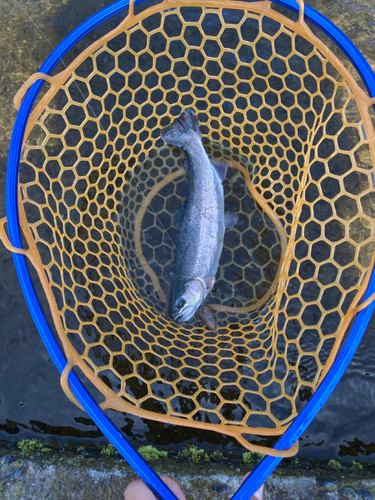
(268, 464)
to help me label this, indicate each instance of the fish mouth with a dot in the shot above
(183, 308)
(182, 316)
(179, 318)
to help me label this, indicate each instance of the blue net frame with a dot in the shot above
(293, 433)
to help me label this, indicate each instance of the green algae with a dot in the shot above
(334, 464)
(357, 465)
(150, 453)
(250, 457)
(109, 450)
(188, 460)
(193, 454)
(29, 445)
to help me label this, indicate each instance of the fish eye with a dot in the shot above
(180, 303)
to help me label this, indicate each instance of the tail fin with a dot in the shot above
(182, 129)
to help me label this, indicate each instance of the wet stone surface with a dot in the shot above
(64, 476)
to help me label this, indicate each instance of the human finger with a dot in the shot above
(138, 490)
(258, 495)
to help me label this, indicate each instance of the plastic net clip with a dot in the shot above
(5, 240)
(273, 452)
(66, 386)
(301, 4)
(131, 8)
(364, 304)
(25, 87)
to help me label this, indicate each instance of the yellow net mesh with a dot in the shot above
(100, 191)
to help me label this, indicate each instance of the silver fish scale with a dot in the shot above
(202, 229)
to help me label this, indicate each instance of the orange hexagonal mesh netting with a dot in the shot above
(100, 190)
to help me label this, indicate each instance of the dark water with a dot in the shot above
(32, 403)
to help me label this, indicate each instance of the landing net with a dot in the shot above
(99, 193)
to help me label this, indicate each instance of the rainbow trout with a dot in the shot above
(201, 235)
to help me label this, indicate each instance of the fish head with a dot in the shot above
(186, 299)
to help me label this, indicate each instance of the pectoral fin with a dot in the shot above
(221, 168)
(179, 216)
(230, 219)
(207, 317)
(185, 163)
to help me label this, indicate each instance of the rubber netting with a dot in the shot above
(101, 190)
